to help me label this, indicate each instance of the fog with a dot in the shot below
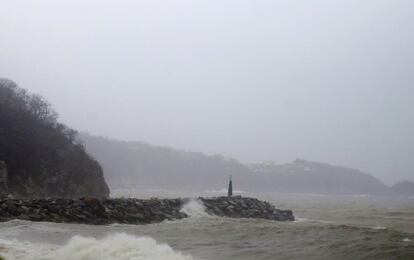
(329, 81)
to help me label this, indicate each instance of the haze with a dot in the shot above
(329, 81)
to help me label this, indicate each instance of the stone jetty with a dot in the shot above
(133, 211)
(240, 207)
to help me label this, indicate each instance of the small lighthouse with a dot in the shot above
(230, 191)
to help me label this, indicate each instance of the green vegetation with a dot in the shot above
(43, 156)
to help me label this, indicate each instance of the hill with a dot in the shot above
(312, 177)
(403, 188)
(143, 166)
(140, 165)
(42, 155)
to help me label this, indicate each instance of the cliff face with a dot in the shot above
(42, 155)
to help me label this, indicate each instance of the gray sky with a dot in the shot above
(330, 81)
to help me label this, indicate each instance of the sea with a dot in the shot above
(327, 227)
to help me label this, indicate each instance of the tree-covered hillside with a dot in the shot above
(42, 155)
(303, 176)
(403, 188)
(140, 165)
(143, 166)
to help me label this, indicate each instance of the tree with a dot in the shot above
(42, 155)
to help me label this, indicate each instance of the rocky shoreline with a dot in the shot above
(133, 211)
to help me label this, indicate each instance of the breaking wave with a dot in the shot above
(114, 247)
(194, 208)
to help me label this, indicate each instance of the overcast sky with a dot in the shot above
(330, 81)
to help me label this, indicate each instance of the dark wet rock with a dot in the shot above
(241, 207)
(133, 211)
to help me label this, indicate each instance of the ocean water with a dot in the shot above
(328, 227)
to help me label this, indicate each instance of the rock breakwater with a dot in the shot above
(239, 207)
(133, 211)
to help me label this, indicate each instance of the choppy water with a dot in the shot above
(356, 227)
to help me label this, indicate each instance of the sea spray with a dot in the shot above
(118, 246)
(194, 208)
(23, 250)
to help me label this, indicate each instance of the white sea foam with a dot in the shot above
(407, 240)
(20, 250)
(301, 219)
(378, 228)
(194, 208)
(115, 247)
(224, 191)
